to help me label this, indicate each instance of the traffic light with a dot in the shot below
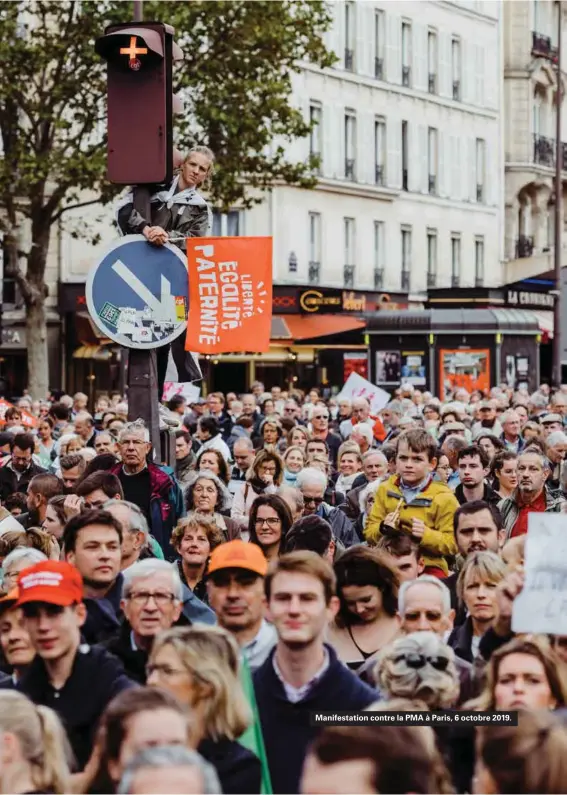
(140, 58)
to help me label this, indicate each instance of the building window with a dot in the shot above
(350, 36)
(405, 153)
(432, 159)
(406, 258)
(480, 169)
(455, 260)
(226, 224)
(379, 254)
(432, 61)
(406, 54)
(456, 67)
(350, 145)
(314, 247)
(379, 39)
(380, 151)
(316, 134)
(479, 262)
(431, 257)
(349, 262)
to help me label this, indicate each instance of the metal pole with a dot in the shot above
(138, 10)
(558, 203)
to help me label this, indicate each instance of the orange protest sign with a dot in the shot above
(28, 420)
(230, 294)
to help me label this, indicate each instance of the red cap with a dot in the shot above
(238, 554)
(51, 581)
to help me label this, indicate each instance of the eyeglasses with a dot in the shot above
(268, 470)
(417, 661)
(320, 416)
(272, 521)
(141, 598)
(314, 500)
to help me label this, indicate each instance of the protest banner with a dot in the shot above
(541, 607)
(28, 420)
(189, 391)
(356, 386)
(230, 294)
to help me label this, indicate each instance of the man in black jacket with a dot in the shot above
(303, 674)
(20, 469)
(73, 679)
(152, 596)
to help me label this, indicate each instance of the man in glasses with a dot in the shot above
(320, 430)
(73, 679)
(93, 544)
(312, 483)
(152, 601)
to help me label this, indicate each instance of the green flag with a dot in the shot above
(252, 737)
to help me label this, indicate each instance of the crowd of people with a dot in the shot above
(175, 629)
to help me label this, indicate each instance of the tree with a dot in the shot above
(236, 83)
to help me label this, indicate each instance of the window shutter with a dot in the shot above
(393, 47)
(394, 141)
(419, 50)
(445, 76)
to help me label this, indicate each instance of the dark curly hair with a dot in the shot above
(363, 566)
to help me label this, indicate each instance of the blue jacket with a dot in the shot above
(287, 727)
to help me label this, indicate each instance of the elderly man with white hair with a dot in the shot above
(556, 449)
(360, 413)
(364, 437)
(147, 485)
(152, 601)
(169, 768)
(312, 483)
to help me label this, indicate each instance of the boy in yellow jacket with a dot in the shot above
(427, 506)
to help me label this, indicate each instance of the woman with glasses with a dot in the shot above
(207, 494)
(263, 477)
(444, 470)
(367, 619)
(270, 519)
(200, 666)
(476, 591)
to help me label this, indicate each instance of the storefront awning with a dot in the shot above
(306, 327)
(545, 320)
(97, 352)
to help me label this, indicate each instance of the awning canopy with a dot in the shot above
(97, 352)
(545, 320)
(454, 321)
(307, 327)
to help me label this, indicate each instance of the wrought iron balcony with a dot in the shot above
(379, 175)
(455, 280)
(349, 60)
(314, 272)
(378, 278)
(431, 279)
(432, 83)
(379, 68)
(542, 47)
(457, 89)
(349, 169)
(544, 151)
(524, 247)
(348, 275)
(432, 184)
(480, 193)
(405, 179)
(479, 280)
(405, 281)
(406, 76)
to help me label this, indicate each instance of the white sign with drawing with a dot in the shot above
(541, 607)
(357, 386)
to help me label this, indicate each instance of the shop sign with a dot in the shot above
(526, 299)
(313, 300)
(316, 300)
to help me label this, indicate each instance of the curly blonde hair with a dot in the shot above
(406, 669)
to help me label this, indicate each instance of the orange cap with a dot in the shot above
(8, 601)
(51, 581)
(238, 555)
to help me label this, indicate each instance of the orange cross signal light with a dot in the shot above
(132, 51)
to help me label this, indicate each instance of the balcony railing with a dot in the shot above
(542, 47)
(405, 179)
(432, 83)
(349, 169)
(378, 278)
(544, 151)
(479, 280)
(524, 247)
(379, 175)
(379, 68)
(314, 272)
(348, 275)
(480, 193)
(349, 60)
(406, 76)
(456, 89)
(431, 279)
(405, 281)
(455, 280)
(432, 184)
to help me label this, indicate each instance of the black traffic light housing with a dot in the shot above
(139, 58)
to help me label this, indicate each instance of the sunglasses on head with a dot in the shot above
(416, 661)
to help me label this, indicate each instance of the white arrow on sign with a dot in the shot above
(162, 308)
